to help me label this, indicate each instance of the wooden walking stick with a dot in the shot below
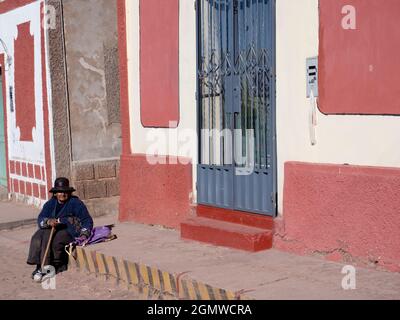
(47, 249)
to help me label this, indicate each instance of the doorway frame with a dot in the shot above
(3, 89)
(274, 160)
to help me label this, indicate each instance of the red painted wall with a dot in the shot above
(25, 107)
(345, 213)
(8, 5)
(49, 177)
(360, 69)
(123, 74)
(24, 82)
(154, 194)
(159, 62)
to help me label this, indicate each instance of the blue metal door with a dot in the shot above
(236, 104)
(3, 168)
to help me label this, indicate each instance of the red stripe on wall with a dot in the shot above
(18, 168)
(9, 5)
(29, 189)
(35, 190)
(123, 75)
(159, 63)
(30, 170)
(48, 165)
(12, 167)
(24, 170)
(43, 194)
(25, 112)
(21, 187)
(16, 185)
(37, 172)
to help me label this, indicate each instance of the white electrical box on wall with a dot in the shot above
(312, 76)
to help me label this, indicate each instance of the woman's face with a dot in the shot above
(62, 196)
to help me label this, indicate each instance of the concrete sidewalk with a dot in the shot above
(265, 275)
(159, 259)
(14, 215)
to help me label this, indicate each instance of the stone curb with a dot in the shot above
(17, 224)
(148, 282)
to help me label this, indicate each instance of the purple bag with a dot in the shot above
(98, 234)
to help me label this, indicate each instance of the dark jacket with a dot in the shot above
(74, 215)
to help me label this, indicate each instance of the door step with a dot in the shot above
(239, 217)
(227, 234)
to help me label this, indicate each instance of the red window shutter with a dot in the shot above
(159, 63)
(360, 69)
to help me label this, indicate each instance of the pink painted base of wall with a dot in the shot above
(343, 213)
(154, 194)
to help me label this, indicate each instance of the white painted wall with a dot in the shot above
(182, 141)
(30, 152)
(358, 140)
(20, 150)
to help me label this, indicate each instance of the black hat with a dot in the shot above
(62, 185)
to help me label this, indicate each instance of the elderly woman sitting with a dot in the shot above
(69, 217)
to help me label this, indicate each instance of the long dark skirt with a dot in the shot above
(56, 256)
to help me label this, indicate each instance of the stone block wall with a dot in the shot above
(97, 184)
(99, 179)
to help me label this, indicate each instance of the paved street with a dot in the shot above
(15, 214)
(227, 150)
(267, 275)
(16, 282)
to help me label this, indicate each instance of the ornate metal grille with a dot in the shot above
(236, 100)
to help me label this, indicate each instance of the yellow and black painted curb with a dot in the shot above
(148, 282)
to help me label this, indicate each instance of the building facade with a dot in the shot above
(280, 117)
(60, 100)
(245, 123)
(27, 161)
